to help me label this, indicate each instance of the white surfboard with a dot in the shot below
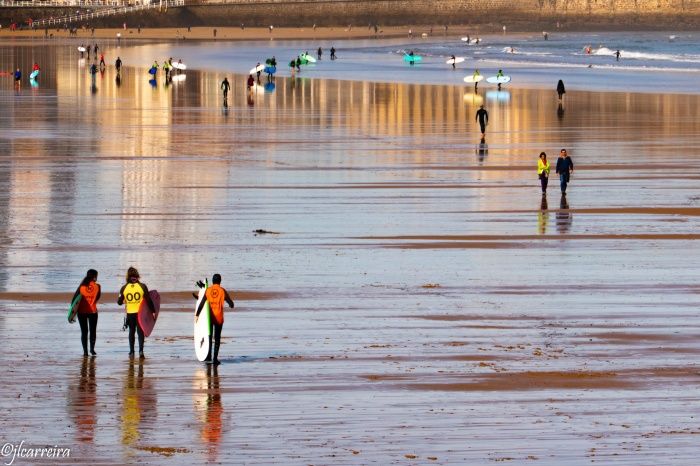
(260, 68)
(34, 74)
(81, 49)
(179, 66)
(178, 78)
(498, 79)
(309, 58)
(473, 79)
(202, 328)
(455, 60)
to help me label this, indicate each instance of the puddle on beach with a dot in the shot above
(417, 297)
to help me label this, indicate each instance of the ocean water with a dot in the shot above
(650, 61)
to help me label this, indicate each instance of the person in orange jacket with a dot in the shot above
(90, 291)
(216, 296)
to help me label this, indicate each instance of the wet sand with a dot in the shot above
(420, 302)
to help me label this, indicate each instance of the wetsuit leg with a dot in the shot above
(141, 335)
(131, 321)
(217, 340)
(92, 320)
(483, 127)
(83, 321)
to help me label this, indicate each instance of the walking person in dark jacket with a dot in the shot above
(565, 167)
(561, 90)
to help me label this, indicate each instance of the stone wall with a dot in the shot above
(517, 14)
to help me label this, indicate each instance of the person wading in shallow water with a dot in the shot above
(90, 292)
(216, 296)
(131, 295)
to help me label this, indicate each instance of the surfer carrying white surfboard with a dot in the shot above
(89, 291)
(216, 296)
(131, 295)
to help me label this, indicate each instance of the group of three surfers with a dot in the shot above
(132, 295)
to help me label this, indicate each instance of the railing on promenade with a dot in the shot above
(101, 10)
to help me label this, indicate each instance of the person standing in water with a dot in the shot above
(90, 292)
(543, 168)
(617, 56)
(561, 90)
(483, 117)
(319, 53)
(132, 295)
(454, 59)
(333, 57)
(216, 296)
(565, 167)
(118, 65)
(225, 86)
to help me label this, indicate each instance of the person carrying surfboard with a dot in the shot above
(131, 295)
(89, 291)
(476, 81)
(216, 296)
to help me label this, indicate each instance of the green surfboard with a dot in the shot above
(73, 309)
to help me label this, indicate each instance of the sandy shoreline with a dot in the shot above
(238, 34)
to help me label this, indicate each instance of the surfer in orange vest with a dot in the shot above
(216, 296)
(90, 292)
(131, 295)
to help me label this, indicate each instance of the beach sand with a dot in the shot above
(418, 302)
(248, 33)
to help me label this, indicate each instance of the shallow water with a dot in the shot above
(429, 303)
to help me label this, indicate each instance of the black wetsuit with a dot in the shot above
(225, 86)
(483, 116)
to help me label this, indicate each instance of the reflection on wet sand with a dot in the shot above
(543, 215)
(82, 401)
(563, 216)
(139, 402)
(482, 150)
(209, 409)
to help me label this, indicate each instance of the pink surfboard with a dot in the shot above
(146, 319)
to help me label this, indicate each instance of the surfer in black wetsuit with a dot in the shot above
(333, 53)
(617, 56)
(225, 86)
(483, 116)
(454, 59)
(118, 65)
